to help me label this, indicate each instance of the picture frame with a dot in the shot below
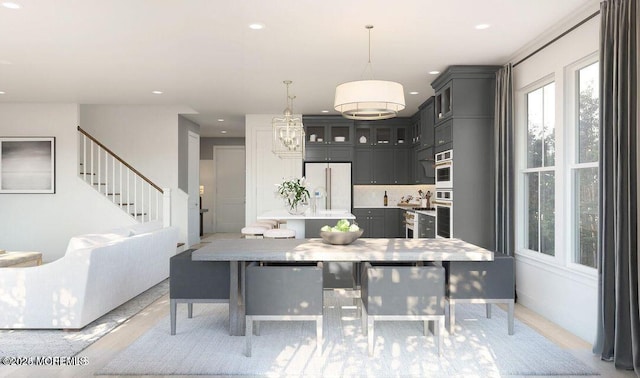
(27, 165)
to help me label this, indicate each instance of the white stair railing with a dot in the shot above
(122, 184)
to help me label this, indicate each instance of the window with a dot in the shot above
(585, 166)
(539, 175)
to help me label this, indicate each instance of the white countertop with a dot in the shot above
(384, 207)
(431, 213)
(320, 214)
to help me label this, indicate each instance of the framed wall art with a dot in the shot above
(27, 165)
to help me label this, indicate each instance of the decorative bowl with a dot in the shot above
(341, 238)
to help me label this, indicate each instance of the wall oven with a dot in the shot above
(444, 213)
(444, 169)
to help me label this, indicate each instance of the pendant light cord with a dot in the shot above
(369, 65)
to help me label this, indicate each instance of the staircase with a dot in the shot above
(119, 182)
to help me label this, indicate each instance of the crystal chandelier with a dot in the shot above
(288, 132)
(369, 99)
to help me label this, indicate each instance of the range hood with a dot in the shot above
(427, 165)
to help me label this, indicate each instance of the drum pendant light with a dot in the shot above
(369, 99)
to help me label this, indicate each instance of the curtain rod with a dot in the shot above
(574, 27)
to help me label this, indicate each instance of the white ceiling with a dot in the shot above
(202, 54)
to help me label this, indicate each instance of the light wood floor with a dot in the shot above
(105, 349)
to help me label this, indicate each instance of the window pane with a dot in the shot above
(534, 128)
(532, 210)
(547, 213)
(549, 113)
(589, 114)
(586, 207)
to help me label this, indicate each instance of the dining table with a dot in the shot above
(239, 252)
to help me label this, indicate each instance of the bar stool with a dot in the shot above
(279, 233)
(267, 225)
(272, 222)
(253, 232)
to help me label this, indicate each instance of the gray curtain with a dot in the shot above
(504, 143)
(618, 337)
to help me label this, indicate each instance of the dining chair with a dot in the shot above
(280, 292)
(196, 282)
(484, 282)
(402, 292)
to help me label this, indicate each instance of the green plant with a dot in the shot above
(293, 192)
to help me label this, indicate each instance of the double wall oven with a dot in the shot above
(444, 194)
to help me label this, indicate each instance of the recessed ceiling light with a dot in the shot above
(11, 5)
(324, 111)
(256, 26)
(414, 93)
(223, 131)
(2, 92)
(434, 72)
(220, 119)
(156, 92)
(483, 26)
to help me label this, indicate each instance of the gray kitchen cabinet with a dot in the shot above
(373, 166)
(443, 136)
(464, 107)
(393, 223)
(328, 138)
(401, 174)
(372, 221)
(427, 123)
(329, 153)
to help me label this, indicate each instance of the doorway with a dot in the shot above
(229, 175)
(193, 216)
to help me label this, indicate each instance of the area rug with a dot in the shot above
(480, 347)
(69, 343)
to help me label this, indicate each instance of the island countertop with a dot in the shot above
(320, 214)
(364, 249)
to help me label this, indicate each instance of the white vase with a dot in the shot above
(297, 209)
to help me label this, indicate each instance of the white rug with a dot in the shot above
(69, 343)
(480, 347)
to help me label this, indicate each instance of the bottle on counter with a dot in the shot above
(386, 199)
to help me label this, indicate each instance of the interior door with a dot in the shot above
(230, 187)
(193, 223)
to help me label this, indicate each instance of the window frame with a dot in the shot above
(523, 170)
(572, 115)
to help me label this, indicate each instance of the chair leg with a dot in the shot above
(247, 335)
(452, 316)
(256, 327)
(363, 319)
(172, 309)
(370, 339)
(488, 310)
(511, 309)
(190, 309)
(439, 330)
(319, 339)
(425, 327)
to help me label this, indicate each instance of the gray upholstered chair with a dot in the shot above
(403, 292)
(283, 292)
(196, 281)
(485, 282)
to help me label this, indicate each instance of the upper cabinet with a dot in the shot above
(328, 138)
(328, 130)
(464, 91)
(395, 132)
(426, 123)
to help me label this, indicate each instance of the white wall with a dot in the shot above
(264, 169)
(45, 222)
(552, 286)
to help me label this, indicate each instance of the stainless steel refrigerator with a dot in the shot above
(330, 183)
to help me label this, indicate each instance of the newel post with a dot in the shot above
(166, 207)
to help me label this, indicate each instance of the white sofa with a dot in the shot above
(98, 273)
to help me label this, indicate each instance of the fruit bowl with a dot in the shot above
(341, 238)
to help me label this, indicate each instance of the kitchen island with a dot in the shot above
(297, 222)
(240, 251)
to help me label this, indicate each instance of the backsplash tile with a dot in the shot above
(373, 195)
